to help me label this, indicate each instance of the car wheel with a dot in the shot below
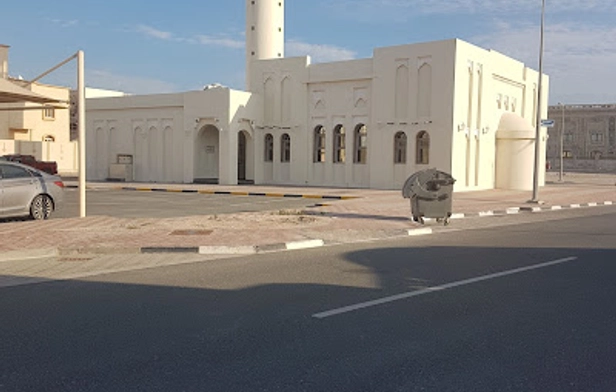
(41, 207)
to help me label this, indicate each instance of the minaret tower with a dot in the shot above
(264, 32)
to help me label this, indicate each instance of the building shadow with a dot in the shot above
(102, 334)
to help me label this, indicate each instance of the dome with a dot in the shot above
(513, 126)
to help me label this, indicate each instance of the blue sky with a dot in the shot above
(141, 46)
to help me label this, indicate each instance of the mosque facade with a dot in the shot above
(367, 123)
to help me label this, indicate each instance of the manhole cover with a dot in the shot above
(191, 232)
(75, 259)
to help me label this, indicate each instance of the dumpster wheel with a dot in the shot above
(445, 221)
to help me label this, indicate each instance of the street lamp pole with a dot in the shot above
(81, 124)
(562, 133)
(535, 198)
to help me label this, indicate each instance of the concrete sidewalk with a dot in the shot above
(348, 215)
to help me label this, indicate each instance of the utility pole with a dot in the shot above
(81, 117)
(562, 136)
(535, 198)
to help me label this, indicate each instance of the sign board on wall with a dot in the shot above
(547, 123)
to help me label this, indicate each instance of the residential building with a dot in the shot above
(588, 137)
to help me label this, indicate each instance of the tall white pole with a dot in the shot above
(535, 198)
(562, 132)
(81, 121)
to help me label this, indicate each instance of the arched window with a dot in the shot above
(285, 148)
(339, 146)
(319, 144)
(400, 147)
(423, 148)
(361, 144)
(49, 138)
(269, 148)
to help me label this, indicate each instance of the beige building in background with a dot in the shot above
(588, 134)
(366, 123)
(29, 128)
(30, 122)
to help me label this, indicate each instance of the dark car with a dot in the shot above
(29, 160)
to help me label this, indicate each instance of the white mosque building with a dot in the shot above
(366, 123)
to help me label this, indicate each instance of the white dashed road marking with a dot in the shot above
(430, 290)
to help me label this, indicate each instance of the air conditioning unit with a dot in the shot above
(120, 172)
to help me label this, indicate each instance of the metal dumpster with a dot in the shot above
(431, 193)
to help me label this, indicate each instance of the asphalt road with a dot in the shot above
(527, 307)
(131, 204)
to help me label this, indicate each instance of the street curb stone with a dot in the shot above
(212, 192)
(93, 250)
(253, 249)
(28, 254)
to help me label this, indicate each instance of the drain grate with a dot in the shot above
(192, 232)
(74, 259)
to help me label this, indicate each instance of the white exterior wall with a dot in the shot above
(399, 109)
(149, 128)
(448, 89)
(64, 154)
(280, 107)
(171, 137)
(488, 85)
(339, 94)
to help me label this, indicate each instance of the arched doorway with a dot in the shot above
(245, 158)
(207, 153)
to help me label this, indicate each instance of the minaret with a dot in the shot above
(264, 32)
(4, 61)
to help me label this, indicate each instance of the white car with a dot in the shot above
(25, 191)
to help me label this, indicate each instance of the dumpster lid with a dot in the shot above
(427, 183)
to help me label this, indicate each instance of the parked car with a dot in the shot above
(25, 191)
(29, 160)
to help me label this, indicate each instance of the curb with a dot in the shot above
(276, 247)
(28, 254)
(203, 250)
(226, 193)
(533, 209)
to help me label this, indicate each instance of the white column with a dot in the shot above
(81, 121)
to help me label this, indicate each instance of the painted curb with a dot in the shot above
(307, 244)
(212, 192)
(528, 209)
(28, 254)
(163, 249)
(419, 232)
(226, 250)
(65, 251)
